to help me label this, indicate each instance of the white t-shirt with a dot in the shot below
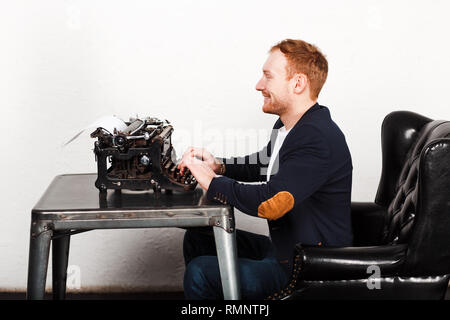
(282, 133)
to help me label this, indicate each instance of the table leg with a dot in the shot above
(60, 259)
(228, 263)
(38, 263)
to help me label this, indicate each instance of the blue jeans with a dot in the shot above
(260, 273)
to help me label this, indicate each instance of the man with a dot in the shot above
(307, 191)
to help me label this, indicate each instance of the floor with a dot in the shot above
(109, 296)
(117, 296)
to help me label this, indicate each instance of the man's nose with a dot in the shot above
(260, 85)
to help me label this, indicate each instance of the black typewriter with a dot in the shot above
(140, 157)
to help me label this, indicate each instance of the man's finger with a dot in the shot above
(202, 153)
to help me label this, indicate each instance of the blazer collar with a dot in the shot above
(279, 124)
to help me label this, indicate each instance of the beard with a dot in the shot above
(274, 105)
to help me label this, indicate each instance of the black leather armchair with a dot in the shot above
(402, 240)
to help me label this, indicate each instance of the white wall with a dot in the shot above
(64, 64)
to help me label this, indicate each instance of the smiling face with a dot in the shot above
(274, 85)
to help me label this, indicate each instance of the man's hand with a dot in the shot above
(201, 154)
(201, 170)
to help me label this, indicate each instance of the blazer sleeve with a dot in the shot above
(250, 168)
(304, 162)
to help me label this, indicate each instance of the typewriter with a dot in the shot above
(139, 157)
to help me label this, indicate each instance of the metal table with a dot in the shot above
(72, 204)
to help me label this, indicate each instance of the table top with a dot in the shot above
(77, 192)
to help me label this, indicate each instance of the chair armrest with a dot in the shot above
(323, 263)
(368, 220)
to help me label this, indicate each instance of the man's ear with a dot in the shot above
(301, 82)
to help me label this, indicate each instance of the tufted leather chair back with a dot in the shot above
(415, 189)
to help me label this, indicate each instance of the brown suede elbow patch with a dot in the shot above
(277, 206)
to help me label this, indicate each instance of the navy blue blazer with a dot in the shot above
(307, 199)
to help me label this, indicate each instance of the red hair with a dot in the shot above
(305, 58)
